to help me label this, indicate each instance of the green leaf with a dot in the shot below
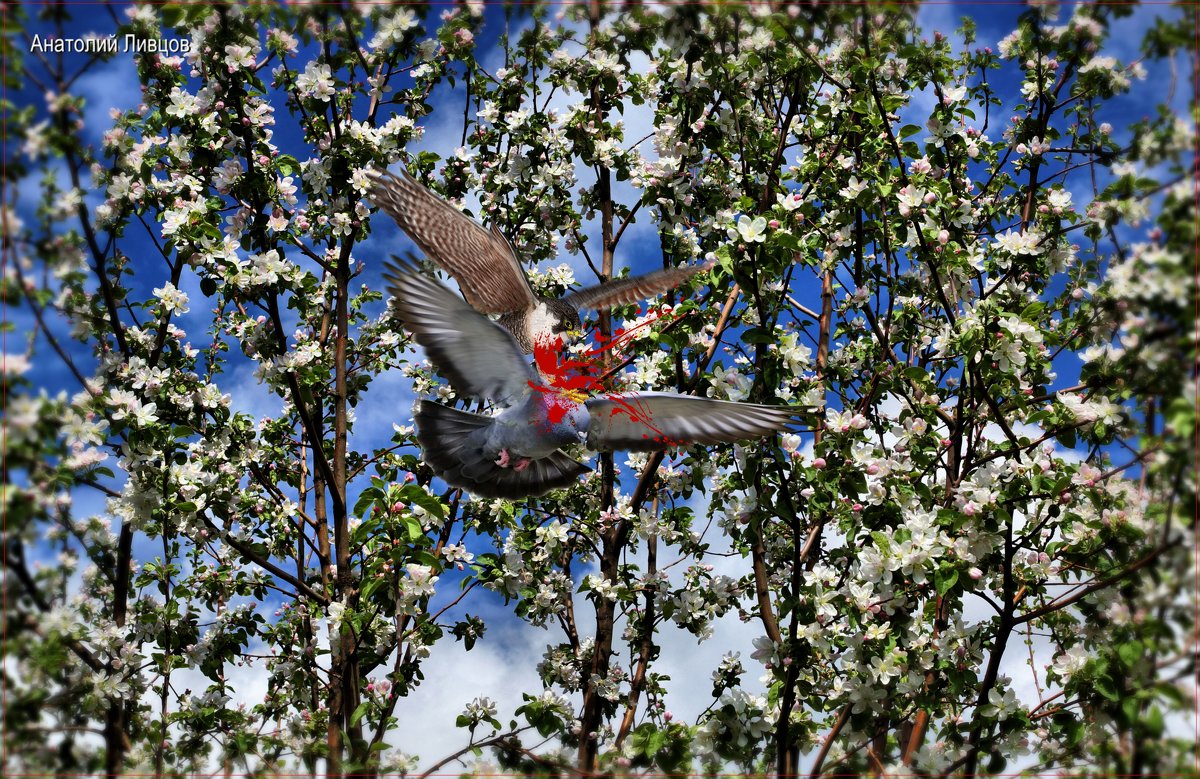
(172, 15)
(1106, 687)
(1153, 722)
(366, 498)
(787, 240)
(945, 579)
(759, 335)
(1130, 708)
(370, 586)
(287, 164)
(411, 493)
(1131, 654)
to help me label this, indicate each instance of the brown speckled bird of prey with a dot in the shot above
(488, 272)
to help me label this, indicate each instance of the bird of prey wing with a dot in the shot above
(623, 291)
(650, 421)
(478, 356)
(482, 261)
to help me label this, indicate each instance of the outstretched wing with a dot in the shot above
(623, 291)
(650, 421)
(478, 356)
(481, 261)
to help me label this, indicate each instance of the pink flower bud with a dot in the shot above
(975, 574)
(819, 463)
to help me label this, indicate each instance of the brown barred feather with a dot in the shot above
(482, 261)
(624, 291)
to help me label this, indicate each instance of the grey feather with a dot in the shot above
(650, 421)
(453, 444)
(477, 355)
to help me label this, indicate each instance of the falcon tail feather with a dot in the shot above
(452, 444)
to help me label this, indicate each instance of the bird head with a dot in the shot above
(556, 321)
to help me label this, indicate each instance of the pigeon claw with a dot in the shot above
(506, 460)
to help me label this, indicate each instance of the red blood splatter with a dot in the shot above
(634, 407)
(567, 380)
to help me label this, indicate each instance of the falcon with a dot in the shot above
(516, 451)
(489, 274)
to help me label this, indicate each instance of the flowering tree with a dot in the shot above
(967, 259)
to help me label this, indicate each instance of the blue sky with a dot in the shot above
(114, 85)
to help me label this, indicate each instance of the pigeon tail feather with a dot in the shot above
(452, 443)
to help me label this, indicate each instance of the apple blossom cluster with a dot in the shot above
(964, 261)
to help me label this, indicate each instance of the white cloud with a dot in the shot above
(453, 678)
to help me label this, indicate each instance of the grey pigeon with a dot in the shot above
(516, 451)
(486, 268)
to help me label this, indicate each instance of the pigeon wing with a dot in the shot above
(478, 356)
(482, 261)
(651, 421)
(623, 291)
